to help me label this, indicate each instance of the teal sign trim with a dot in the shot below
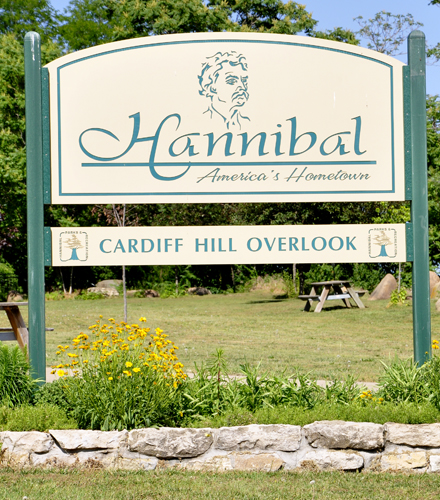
(47, 246)
(407, 132)
(46, 134)
(409, 242)
(250, 193)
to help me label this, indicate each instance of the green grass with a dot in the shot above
(253, 327)
(163, 485)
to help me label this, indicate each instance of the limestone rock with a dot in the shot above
(151, 294)
(259, 437)
(75, 440)
(264, 462)
(434, 282)
(384, 288)
(109, 284)
(33, 441)
(338, 460)
(14, 296)
(198, 290)
(403, 461)
(337, 434)
(170, 442)
(218, 463)
(434, 463)
(108, 292)
(413, 435)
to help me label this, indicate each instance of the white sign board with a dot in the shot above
(111, 246)
(226, 117)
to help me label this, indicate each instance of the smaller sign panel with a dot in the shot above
(112, 246)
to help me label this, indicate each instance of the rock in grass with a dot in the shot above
(170, 442)
(259, 437)
(337, 434)
(413, 435)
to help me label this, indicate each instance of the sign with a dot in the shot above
(111, 246)
(226, 117)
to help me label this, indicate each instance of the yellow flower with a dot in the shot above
(136, 370)
(72, 355)
(128, 364)
(61, 373)
(110, 378)
(127, 373)
(142, 319)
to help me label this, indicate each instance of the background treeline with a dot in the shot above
(87, 23)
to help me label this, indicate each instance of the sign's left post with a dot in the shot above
(35, 205)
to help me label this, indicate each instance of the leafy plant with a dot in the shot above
(123, 376)
(398, 298)
(16, 384)
(404, 381)
(34, 418)
(8, 280)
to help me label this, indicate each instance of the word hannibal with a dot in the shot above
(205, 245)
(184, 149)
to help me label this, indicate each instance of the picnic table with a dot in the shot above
(332, 290)
(18, 330)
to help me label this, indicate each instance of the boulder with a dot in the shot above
(337, 434)
(14, 296)
(109, 284)
(170, 442)
(75, 440)
(433, 281)
(198, 290)
(152, 294)
(435, 291)
(420, 435)
(259, 437)
(107, 292)
(403, 461)
(384, 288)
(328, 460)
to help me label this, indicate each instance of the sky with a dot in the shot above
(341, 13)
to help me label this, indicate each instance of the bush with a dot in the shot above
(16, 384)
(124, 377)
(34, 418)
(8, 280)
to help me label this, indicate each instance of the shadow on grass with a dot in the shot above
(267, 301)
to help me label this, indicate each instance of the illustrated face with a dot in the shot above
(231, 85)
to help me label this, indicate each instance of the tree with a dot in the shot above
(20, 16)
(386, 32)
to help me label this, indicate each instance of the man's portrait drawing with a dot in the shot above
(224, 81)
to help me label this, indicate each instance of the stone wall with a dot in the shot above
(324, 445)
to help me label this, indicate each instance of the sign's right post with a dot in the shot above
(419, 204)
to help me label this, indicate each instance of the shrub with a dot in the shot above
(35, 418)
(16, 384)
(123, 377)
(8, 280)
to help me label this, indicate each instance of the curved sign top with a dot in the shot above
(226, 117)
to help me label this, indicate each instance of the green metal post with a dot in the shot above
(419, 204)
(35, 206)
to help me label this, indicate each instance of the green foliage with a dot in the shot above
(54, 393)
(123, 377)
(403, 381)
(398, 298)
(34, 418)
(8, 280)
(403, 413)
(85, 295)
(16, 385)
(386, 32)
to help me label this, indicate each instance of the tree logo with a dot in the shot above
(382, 242)
(224, 81)
(74, 245)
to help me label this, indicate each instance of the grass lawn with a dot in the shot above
(93, 485)
(255, 327)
